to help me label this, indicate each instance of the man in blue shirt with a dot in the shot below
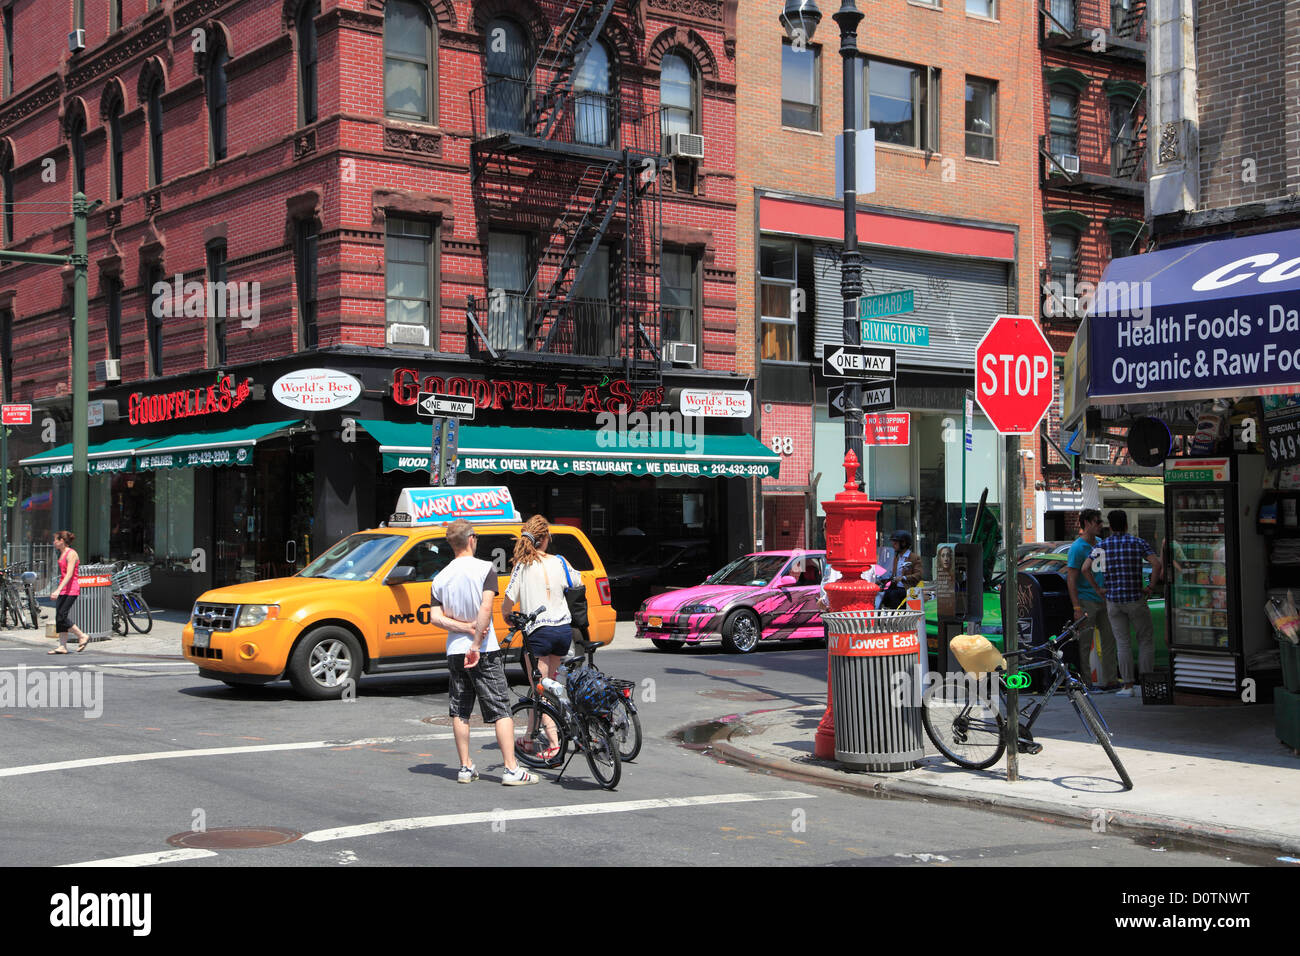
(1089, 605)
(1121, 559)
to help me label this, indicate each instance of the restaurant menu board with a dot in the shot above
(1200, 570)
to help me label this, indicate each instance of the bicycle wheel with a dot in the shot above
(1098, 728)
(601, 750)
(119, 616)
(10, 613)
(33, 608)
(969, 732)
(137, 611)
(626, 726)
(529, 717)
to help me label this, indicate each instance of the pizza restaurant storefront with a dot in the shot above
(251, 475)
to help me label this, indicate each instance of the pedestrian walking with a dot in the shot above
(65, 595)
(904, 571)
(1089, 606)
(462, 595)
(1121, 559)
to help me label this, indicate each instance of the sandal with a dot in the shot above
(81, 645)
(58, 650)
(550, 753)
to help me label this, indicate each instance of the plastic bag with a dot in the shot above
(1284, 617)
(976, 654)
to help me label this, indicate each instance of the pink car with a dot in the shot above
(768, 596)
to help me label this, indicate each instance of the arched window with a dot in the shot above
(154, 101)
(77, 137)
(115, 151)
(216, 79)
(592, 102)
(409, 64)
(307, 61)
(677, 95)
(1064, 256)
(505, 73)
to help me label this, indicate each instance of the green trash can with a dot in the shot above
(1290, 664)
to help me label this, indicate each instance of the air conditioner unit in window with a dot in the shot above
(679, 353)
(686, 145)
(1098, 453)
(400, 334)
(76, 41)
(109, 370)
(1069, 162)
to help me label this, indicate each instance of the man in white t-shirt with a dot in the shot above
(462, 597)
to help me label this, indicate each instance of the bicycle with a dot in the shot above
(129, 606)
(545, 709)
(970, 733)
(18, 605)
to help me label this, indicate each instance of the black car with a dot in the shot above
(674, 563)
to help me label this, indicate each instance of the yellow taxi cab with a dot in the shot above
(363, 606)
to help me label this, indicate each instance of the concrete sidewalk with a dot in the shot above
(1216, 773)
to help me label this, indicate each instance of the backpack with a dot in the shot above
(590, 692)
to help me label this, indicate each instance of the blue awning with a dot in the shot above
(1214, 319)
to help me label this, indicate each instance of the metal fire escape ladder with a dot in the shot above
(577, 38)
(643, 274)
(1132, 163)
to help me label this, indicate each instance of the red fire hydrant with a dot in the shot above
(851, 550)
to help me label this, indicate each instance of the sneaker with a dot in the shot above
(1124, 692)
(467, 775)
(519, 777)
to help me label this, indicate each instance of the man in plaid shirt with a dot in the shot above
(1126, 599)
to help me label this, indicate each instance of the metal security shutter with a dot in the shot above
(957, 298)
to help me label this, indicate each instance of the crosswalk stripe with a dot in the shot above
(147, 859)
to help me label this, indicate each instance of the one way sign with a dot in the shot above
(876, 397)
(857, 361)
(432, 404)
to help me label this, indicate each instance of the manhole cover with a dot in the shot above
(234, 838)
(731, 673)
(737, 695)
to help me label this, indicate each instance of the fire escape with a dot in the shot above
(579, 169)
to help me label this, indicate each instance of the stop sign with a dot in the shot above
(1013, 374)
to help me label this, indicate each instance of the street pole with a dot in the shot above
(848, 17)
(4, 495)
(1010, 591)
(80, 358)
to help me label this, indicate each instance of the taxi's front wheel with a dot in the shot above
(325, 663)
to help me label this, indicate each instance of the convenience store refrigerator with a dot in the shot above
(1214, 589)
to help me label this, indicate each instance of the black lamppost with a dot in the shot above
(800, 19)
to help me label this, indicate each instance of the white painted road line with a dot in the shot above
(147, 664)
(147, 859)
(574, 810)
(221, 752)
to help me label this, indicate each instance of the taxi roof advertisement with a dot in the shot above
(1214, 319)
(444, 505)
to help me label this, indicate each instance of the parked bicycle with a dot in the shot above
(18, 604)
(580, 712)
(130, 609)
(969, 732)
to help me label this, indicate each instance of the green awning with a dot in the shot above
(571, 451)
(230, 446)
(105, 458)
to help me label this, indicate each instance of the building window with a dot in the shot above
(217, 95)
(409, 283)
(508, 275)
(7, 354)
(155, 134)
(505, 72)
(593, 320)
(114, 15)
(153, 320)
(409, 65)
(898, 97)
(7, 183)
(801, 87)
(1062, 16)
(1123, 21)
(785, 300)
(592, 99)
(78, 145)
(115, 157)
(1123, 138)
(677, 94)
(113, 287)
(1064, 123)
(680, 300)
(307, 62)
(9, 51)
(981, 118)
(307, 233)
(1064, 252)
(981, 8)
(218, 316)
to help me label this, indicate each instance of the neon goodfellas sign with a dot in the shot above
(166, 406)
(523, 396)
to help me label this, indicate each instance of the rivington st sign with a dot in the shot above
(611, 395)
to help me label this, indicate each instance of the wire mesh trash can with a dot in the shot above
(876, 688)
(93, 611)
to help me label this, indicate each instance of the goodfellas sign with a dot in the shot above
(185, 403)
(1217, 319)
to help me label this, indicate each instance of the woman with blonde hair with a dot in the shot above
(537, 582)
(65, 595)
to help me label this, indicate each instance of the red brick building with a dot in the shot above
(528, 203)
(949, 88)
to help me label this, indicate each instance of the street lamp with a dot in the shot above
(799, 18)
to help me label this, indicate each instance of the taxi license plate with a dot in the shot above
(202, 636)
(656, 622)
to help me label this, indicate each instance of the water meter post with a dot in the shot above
(851, 549)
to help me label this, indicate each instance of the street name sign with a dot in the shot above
(886, 303)
(15, 414)
(1013, 374)
(856, 361)
(895, 333)
(431, 404)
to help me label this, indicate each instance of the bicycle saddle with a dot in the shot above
(29, 576)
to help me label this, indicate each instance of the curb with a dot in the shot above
(99, 646)
(723, 747)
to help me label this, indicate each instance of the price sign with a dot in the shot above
(1282, 436)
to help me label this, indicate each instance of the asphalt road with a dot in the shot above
(372, 782)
